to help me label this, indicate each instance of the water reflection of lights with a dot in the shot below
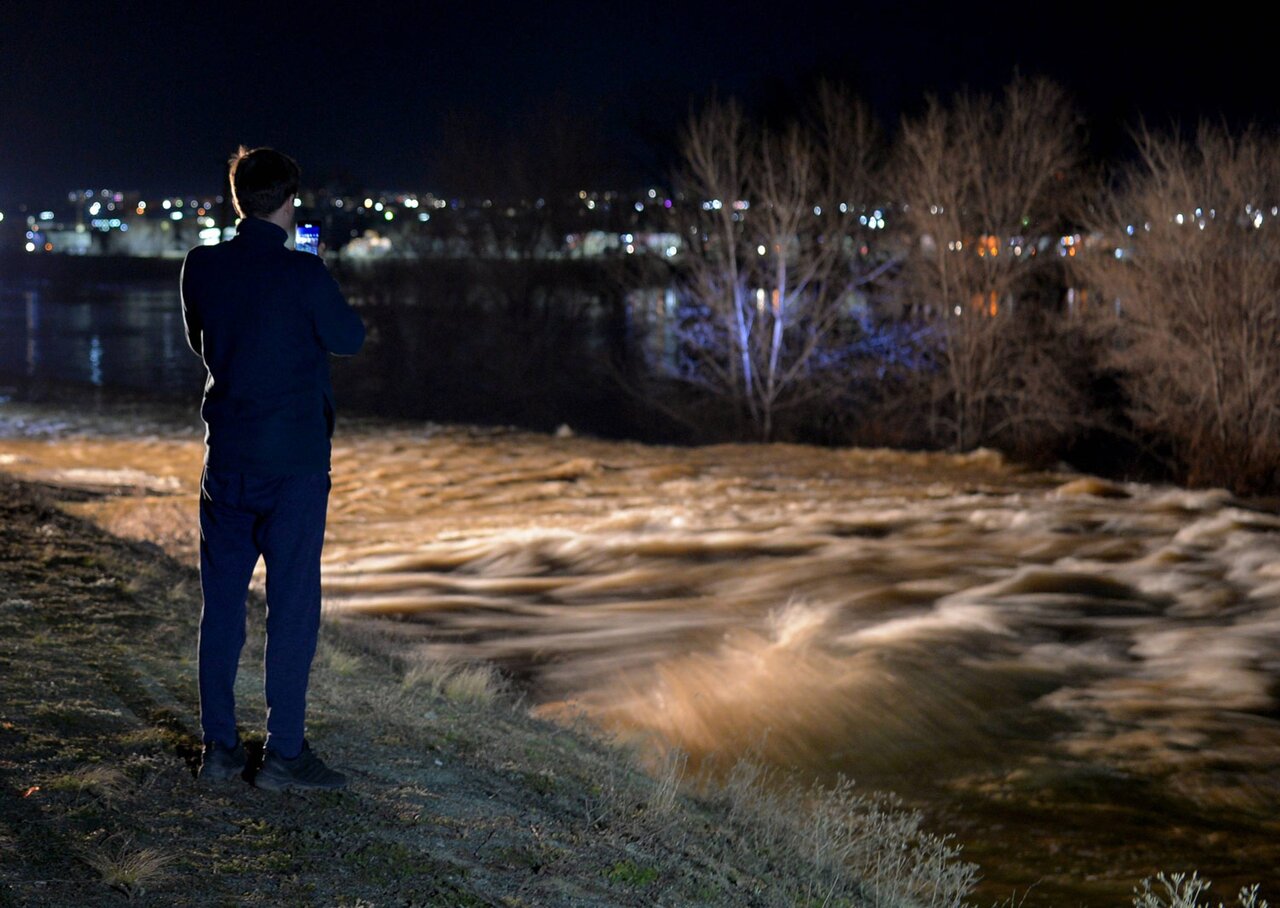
(95, 360)
(32, 298)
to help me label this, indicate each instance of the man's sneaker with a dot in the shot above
(218, 764)
(305, 772)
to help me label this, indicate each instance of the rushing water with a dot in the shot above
(1079, 679)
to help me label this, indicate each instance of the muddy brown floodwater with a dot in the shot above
(1077, 678)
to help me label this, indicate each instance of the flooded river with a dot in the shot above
(1078, 679)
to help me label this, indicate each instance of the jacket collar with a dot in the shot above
(256, 230)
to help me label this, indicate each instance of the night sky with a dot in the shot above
(431, 96)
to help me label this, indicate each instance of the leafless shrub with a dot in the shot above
(769, 222)
(1194, 300)
(852, 845)
(1177, 890)
(986, 187)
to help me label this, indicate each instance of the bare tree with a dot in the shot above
(1190, 268)
(767, 223)
(985, 185)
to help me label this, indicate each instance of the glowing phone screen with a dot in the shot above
(307, 238)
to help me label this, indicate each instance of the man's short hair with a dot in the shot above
(262, 179)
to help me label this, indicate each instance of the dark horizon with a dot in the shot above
(154, 97)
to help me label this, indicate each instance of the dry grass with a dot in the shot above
(840, 845)
(104, 782)
(668, 778)
(127, 868)
(476, 684)
(339, 661)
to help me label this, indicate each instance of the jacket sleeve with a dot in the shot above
(337, 325)
(190, 310)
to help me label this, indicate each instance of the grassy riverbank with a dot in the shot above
(458, 796)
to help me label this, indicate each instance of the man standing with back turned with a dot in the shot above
(264, 318)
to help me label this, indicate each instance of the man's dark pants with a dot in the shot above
(282, 519)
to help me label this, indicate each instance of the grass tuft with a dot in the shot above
(475, 684)
(339, 661)
(128, 869)
(104, 782)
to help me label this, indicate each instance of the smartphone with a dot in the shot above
(307, 238)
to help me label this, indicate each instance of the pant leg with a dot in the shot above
(291, 537)
(228, 554)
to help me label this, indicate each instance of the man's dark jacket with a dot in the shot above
(264, 319)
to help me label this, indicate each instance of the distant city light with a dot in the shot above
(368, 203)
(639, 206)
(175, 215)
(653, 193)
(389, 214)
(760, 250)
(1, 215)
(297, 203)
(424, 217)
(46, 215)
(378, 207)
(817, 211)
(166, 204)
(31, 247)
